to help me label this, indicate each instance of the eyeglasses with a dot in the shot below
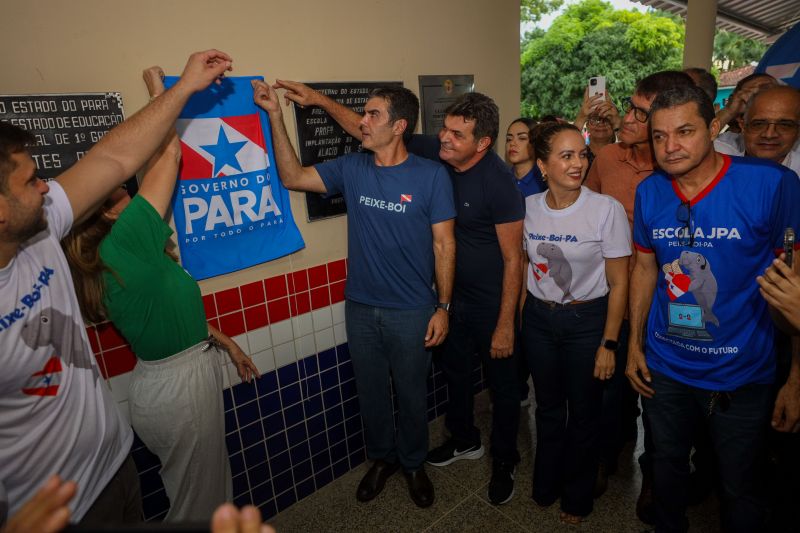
(638, 113)
(596, 121)
(684, 216)
(782, 127)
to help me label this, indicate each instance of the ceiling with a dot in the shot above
(765, 20)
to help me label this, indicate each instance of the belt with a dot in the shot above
(557, 305)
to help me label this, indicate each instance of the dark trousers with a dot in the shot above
(737, 427)
(561, 343)
(389, 344)
(619, 406)
(471, 329)
(120, 502)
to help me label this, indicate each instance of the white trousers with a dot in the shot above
(176, 409)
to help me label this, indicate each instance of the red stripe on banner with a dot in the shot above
(249, 126)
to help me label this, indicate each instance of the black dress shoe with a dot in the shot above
(373, 481)
(420, 487)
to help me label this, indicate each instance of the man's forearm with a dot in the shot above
(642, 286)
(348, 119)
(289, 168)
(445, 260)
(512, 282)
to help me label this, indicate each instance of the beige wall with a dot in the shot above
(52, 46)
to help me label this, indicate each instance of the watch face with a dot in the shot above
(610, 345)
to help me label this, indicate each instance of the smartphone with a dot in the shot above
(788, 246)
(597, 85)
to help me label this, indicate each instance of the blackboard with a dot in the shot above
(320, 138)
(65, 126)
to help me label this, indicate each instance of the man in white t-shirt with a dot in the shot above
(57, 415)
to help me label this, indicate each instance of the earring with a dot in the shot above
(544, 176)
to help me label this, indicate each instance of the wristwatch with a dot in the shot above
(443, 305)
(608, 344)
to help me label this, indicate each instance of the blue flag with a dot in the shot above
(231, 210)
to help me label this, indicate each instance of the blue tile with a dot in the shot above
(355, 442)
(349, 389)
(441, 395)
(297, 434)
(301, 471)
(258, 474)
(346, 371)
(318, 443)
(300, 453)
(331, 397)
(333, 416)
(280, 463)
(232, 442)
(323, 478)
(313, 405)
(353, 425)
(305, 488)
(150, 481)
(321, 461)
(283, 482)
(293, 415)
(240, 485)
(227, 399)
(243, 499)
(336, 433)
(273, 424)
(277, 444)
(285, 500)
(288, 374)
(267, 383)
(343, 353)
(330, 378)
(230, 421)
(252, 434)
(247, 413)
(268, 509)
(155, 504)
(310, 367)
(145, 459)
(339, 451)
(255, 455)
(270, 404)
(262, 493)
(243, 393)
(341, 468)
(312, 385)
(351, 407)
(316, 424)
(237, 463)
(357, 457)
(327, 359)
(290, 395)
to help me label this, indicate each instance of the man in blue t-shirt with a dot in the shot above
(400, 240)
(705, 226)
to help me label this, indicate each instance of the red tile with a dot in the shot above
(232, 324)
(101, 365)
(320, 298)
(298, 281)
(276, 287)
(91, 332)
(214, 322)
(253, 293)
(109, 336)
(228, 301)
(278, 310)
(210, 306)
(256, 317)
(337, 292)
(337, 270)
(318, 276)
(119, 361)
(301, 303)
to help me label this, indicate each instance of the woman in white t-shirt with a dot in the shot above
(578, 243)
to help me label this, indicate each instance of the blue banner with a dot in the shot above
(231, 210)
(782, 60)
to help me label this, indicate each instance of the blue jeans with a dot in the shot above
(561, 343)
(471, 329)
(388, 345)
(738, 428)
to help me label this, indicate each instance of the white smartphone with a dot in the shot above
(597, 85)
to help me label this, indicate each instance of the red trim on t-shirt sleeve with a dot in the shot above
(726, 163)
(642, 249)
(779, 251)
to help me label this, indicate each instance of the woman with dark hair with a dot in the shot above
(519, 154)
(578, 243)
(122, 273)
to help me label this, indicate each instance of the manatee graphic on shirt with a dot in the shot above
(691, 274)
(558, 268)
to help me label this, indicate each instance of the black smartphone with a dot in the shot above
(788, 246)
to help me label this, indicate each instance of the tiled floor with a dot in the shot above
(461, 504)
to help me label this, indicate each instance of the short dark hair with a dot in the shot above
(548, 118)
(13, 140)
(705, 80)
(543, 134)
(481, 109)
(684, 95)
(403, 104)
(661, 81)
(752, 76)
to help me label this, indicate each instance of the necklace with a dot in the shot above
(553, 201)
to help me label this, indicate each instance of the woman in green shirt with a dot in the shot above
(123, 273)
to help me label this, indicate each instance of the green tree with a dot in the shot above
(732, 51)
(534, 10)
(591, 38)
